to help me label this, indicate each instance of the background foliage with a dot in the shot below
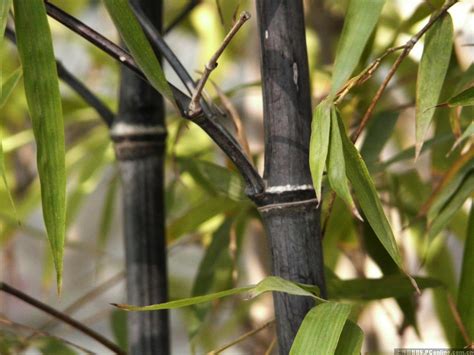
(215, 237)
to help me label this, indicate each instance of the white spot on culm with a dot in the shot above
(122, 58)
(295, 74)
(266, 34)
(285, 188)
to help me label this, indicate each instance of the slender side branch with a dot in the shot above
(406, 50)
(59, 315)
(88, 96)
(242, 338)
(188, 8)
(212, 64)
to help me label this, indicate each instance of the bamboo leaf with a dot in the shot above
(468, 133)
(466, 284)
(5, 92)
(366, 194)
(9, 85)
(464, 191)
(464, 98)
(360, 21)
(44, 102)
(136, 41)
(431, 73)
(268, 284)
(118, 325)
(319, 144)
(379, 131)
(350, 341)
(337, 167)
(321, 329)
(375, 289)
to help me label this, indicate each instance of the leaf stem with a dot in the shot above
(61, 316)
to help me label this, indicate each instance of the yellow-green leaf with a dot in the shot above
(319, 144)
(466, 284)
(431, 73)
(350, 341)
(321, 329)
(44, 103)
(360, 21)
(366, 194)
(136, 41)
(268, 284)
(464, 98)
(337, 166)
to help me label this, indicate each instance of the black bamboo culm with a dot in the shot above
(139, 135)
(290, 211)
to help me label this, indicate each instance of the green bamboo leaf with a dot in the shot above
(466, 284)
(44, 102)
(337, 166)
(5, 92)
(215, 178)
(379, 131)
(465, 190)
(321, 329)
(359, 23)
(375, 289)
(136, 41)
(118, 324)
(319, 144)
(431, 73)
(268, 284)
(9, 85)
(214, 272)
(366, 194)
(350, 341)
(468, 133)
(464, 98)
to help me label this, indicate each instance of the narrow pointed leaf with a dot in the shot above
(44, 103)
(136, 41)
(337, 166)
(9, 85)
(466, 284)
(359, 23)
(319, 144)
(269, 284)
(468, 133)
(6, 90)
(465, 190)
(321, 329)
(375, 289)
(350, 341)
(366, 194)
(431, 73)
(464, 98)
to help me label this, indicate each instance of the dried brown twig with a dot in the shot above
(194, 106)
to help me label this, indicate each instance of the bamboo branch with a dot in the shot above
(194, 106)
(75, 84)
(185, 12)
(406, 50)
(61, 316)
(217, 132)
